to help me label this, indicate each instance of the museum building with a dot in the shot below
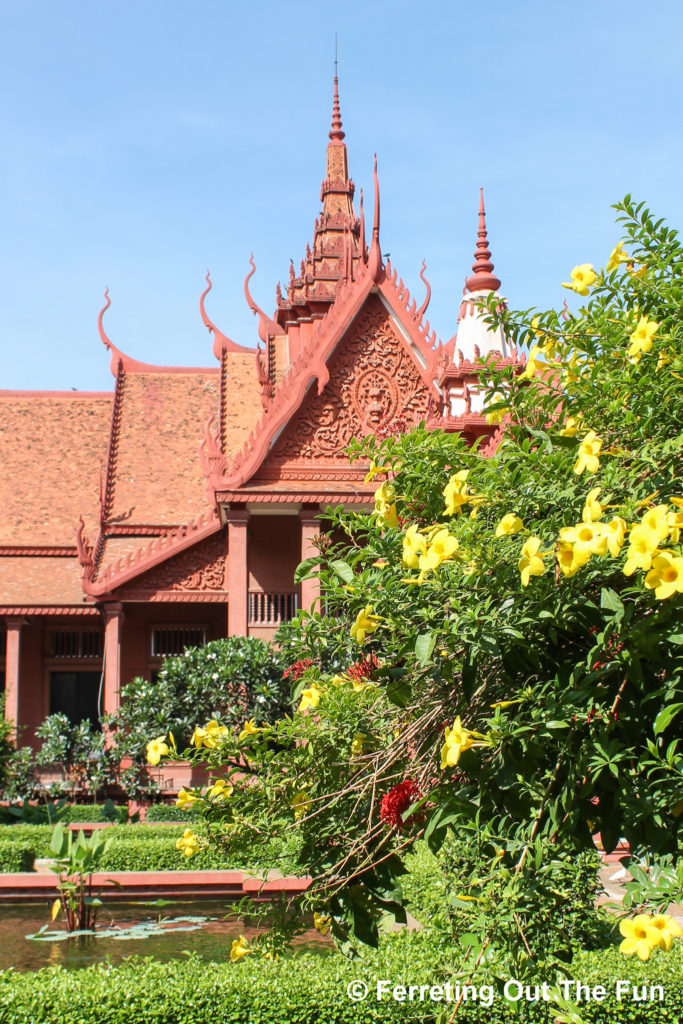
(174, 509)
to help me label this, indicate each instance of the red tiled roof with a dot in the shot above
(242, 407)
(51, 448)
(157, 475)
(40, 581)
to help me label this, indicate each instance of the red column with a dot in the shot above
(238, 579)
(310, 527)
(113, 621)
(12, 670)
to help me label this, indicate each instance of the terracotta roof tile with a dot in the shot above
(40, 581)
(51, 448)
(242, 401)
(158, 475)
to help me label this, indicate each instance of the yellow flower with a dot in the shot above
(582, 278)
(675, 523)
(666, 575)
(570, 557)
(457, 740)
(185, 800)
(365, 623)
(414, 545)
(509, 525)
(533, 364)
(358, 744)
(498, 415)
(571, 426)
(240, 948)
(641, 339)
(212, 735)
(615, 531)
(667, 928)
(642, 545)
(441, 549)
(589, 536)
(156, 749)
(249, 729)
(220, 790)
(310, 698)
(301, 804)
(321, 922)
(188, 843)
(657, 520)
(639, 936)
(530, 562)
(592, 510)
(664, 359)
(616, 257)
(385, 506)
(373, 472)
(454, 493)
(589, 454)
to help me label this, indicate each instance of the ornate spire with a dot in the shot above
(483, 278)
(375, 264)
(336, 236)
(336, 134)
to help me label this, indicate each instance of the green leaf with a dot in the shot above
(303, 569)
(666, 717)
(342, 569)
(609, 601)
(424, 645)
(398, 691)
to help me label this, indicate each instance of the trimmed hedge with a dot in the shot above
(89, 813)
(311, 986)
(140, 848)
(15, 856)
(168, 812)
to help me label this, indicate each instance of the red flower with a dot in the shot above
(364, 669)
(397, 801)
(296, 670)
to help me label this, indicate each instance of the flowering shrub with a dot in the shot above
(523, 617)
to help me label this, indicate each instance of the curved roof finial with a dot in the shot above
(423, 308)
(105, 340)
(375, 257)
(483, 278)
(266, 327)
(221, 342)
(363, 243)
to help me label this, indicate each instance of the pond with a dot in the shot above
(167, 932)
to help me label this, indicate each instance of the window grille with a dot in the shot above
(271, 609)
(170, 640)
(75, 643)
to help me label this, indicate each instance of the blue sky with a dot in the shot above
(146, 141)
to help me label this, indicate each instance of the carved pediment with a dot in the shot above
(374, 381)
(201, 568)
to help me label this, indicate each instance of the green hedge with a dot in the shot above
(168, 812)
(142, 848)
(88, 813)
(310, 987)
(15, 856)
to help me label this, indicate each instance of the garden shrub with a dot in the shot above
(15, 856)
(508, 634)
(168, 812)
(310, 987)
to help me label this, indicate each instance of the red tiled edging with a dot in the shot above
(35, 887)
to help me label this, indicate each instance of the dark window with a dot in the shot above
(170, 640)
(75, 643)
(3, 657)
(75, 694)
